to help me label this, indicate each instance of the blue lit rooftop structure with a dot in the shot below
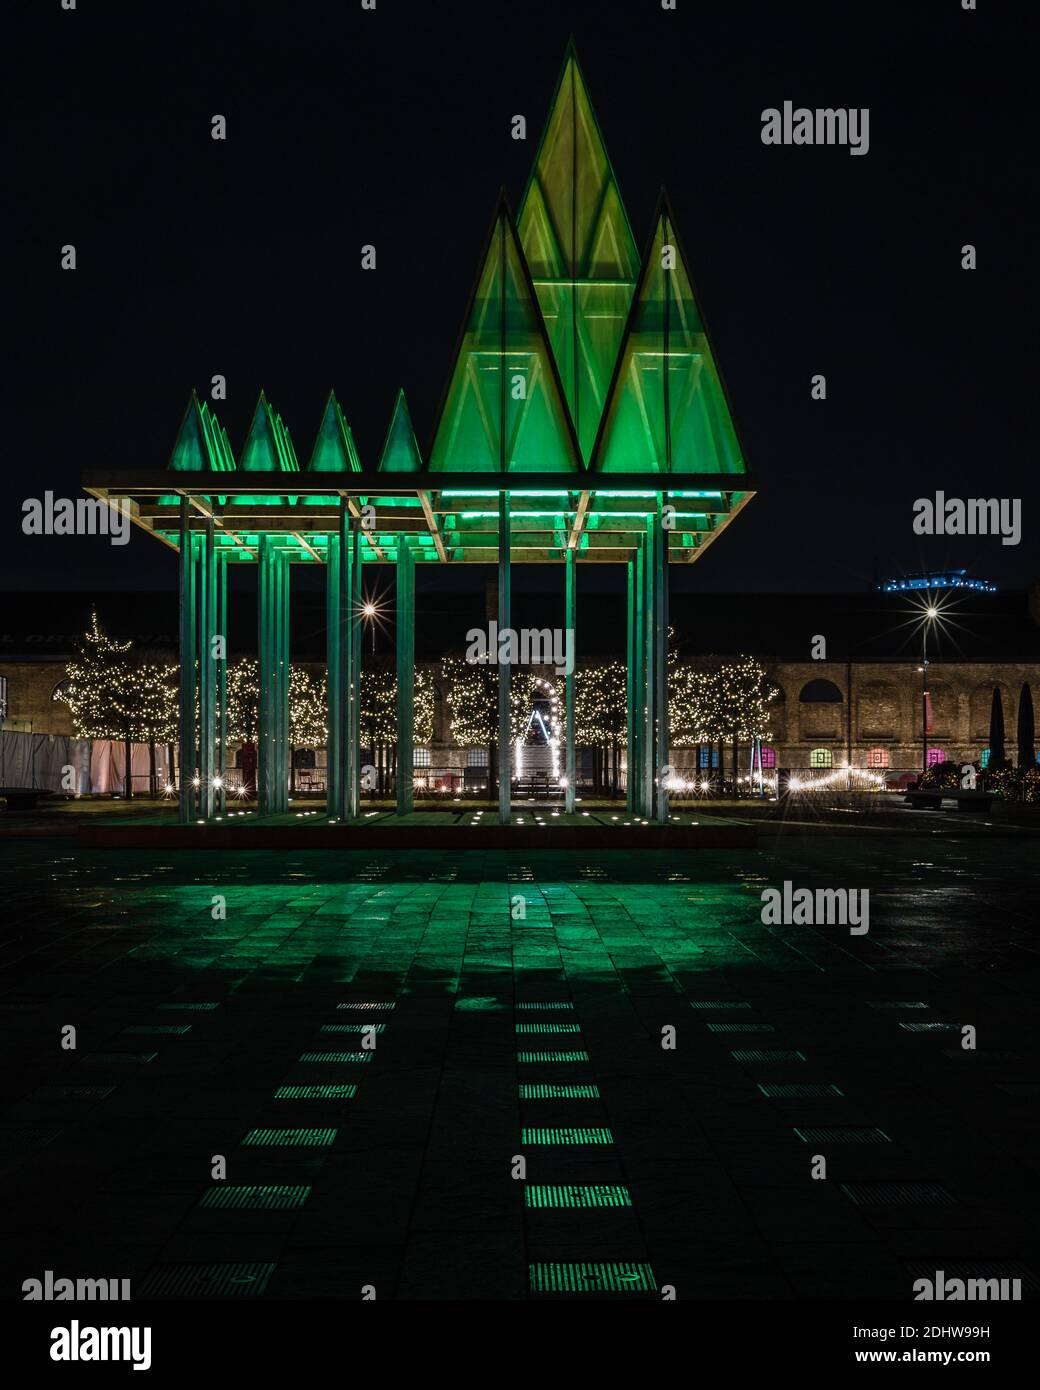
(947, 579)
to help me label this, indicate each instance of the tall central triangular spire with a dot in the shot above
(578, 242)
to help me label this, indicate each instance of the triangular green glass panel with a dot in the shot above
(579, 245)
(268, 449)
(400, 451)
(504, 410)
(334, 449)
(201, 445)
(668, 411)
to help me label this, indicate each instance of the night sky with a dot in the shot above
(346, 127)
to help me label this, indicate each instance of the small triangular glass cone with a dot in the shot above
(400, 450)
(268, 449)
(504, 411)
(668, 411)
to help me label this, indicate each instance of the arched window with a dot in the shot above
(820, 692)
(476, 757)
(421, 757)
(821, 757)
(768, 757)
(878, 757)
(936, 756)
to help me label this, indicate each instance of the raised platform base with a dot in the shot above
(526, 830)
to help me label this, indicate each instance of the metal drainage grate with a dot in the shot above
(26, 1141)
(547, 1028)
(741, 1028)
(254, 1198)
(353, 1027)
(335, 1056)
(976, 1269)
(797, 1091)
(72, 1092)
(719, 1004)
(897, 1194)
(766, 1055)
(158, 1030)
(982, 1054)
(207, 1281)
(290, 1138)
(194, 1008)
(599, 1195)
(389, 1004)
(527, 1057)
(547, 1004)
(896, 1004)
(344, 1092)
(566, 1136)
(930, 1027)
(119, 1058)
(842, 1134)
(615, 1276)
(548, 1091)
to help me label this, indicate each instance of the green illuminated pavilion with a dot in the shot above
(585, 421)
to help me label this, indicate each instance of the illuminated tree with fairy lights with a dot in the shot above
(601, 717)
(472, 692)
(379, 715)
(112, 695)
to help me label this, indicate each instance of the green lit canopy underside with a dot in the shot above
(443, 520)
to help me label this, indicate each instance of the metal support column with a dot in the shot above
(264, 770)
(570, 627)
(207, 673)
(659, 807)
(222, 725)
(352, 752)
(188, 647)
(505, 759)
(648, 763)
(284, 591)
(405, 676)
(273, 645)
(334, 683)
(636, 680)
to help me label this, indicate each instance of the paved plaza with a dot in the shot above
(520, 1003)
